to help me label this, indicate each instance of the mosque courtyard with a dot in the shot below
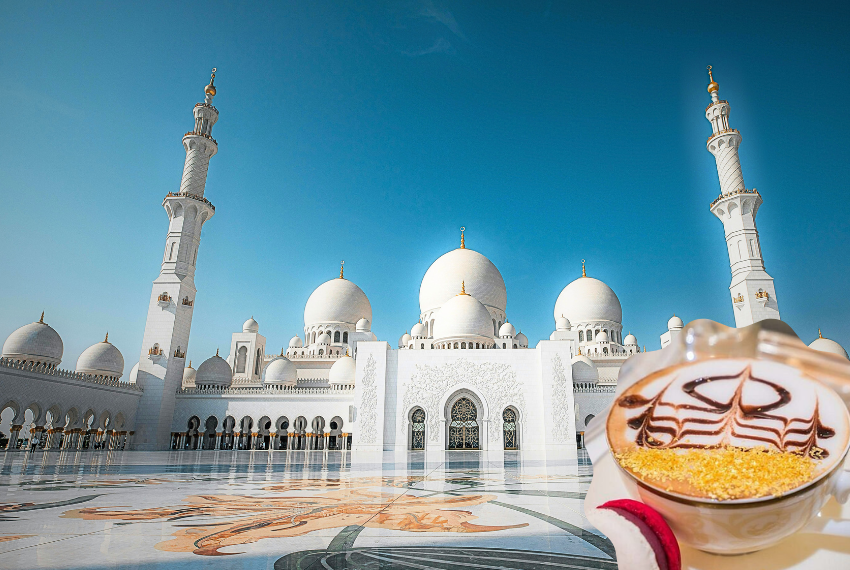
(326, 510)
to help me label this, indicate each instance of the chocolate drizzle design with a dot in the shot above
(762, 424)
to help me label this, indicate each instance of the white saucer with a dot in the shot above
(801, 551)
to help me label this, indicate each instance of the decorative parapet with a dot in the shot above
(588, 388)
(208, 106)
(46, 370)
(190, 196)
(723, 132)
(734, 193)
(155, 351)
(260, 390)
(200, 134)
(710, 105)
(188, 302)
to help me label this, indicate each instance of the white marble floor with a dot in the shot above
(282, 510)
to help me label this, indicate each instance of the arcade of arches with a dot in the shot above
(464, 427)
(262, 434)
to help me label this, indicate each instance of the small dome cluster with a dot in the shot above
(463, 317)
(829, 346)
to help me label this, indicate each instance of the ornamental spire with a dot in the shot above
(463, 288)
(341, 267)
(107, 337)
(41, 320)
(819, 335)
(583, 272)
(462, 242)
(210, 89)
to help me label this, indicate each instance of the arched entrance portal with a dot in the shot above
(463, 429)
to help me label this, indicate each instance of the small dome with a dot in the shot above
(602, 337)
(828, 345)
(35, 342)
(584, 370)
(630, 340)
(189, 374)
(134, 374)
(463, 316)
(296, 342)
(562, 323)
(342, 372)
(101, 359)
(675, 324)
(507, 329)
(281, 370)
(214, 371)
(337, 301)
(483, 281)
(363, 325)
(587, 299)
(521, 340)
(251, 326)
(404, 340)
(418, 331)
(324, 338)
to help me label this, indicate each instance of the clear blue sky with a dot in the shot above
(371, 131)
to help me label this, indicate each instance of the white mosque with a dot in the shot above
(464, 377)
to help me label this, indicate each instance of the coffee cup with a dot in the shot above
(736, 453)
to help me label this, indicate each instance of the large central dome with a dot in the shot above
(587, 299)
(337, 301)
(443, 279)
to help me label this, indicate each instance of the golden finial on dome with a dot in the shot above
(107, 337)
(579, 351)
(713, 86)
(210, 89)
(190, 364)
(341, 267)
(583, 272)
(41, 320)
(346, 351)
(462, 242)
(819, 335)
(463, 288)
(216, 352)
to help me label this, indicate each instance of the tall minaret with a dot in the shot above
(752, 291)
(173, 295)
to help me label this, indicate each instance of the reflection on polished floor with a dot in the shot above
(298, 509)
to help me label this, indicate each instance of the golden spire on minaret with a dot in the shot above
(462, 242)
(713, 86)
(583, 272)
(210, 89)
(341, 267)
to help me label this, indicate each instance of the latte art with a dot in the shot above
(718, 406)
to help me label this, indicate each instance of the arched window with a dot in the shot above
(495, 330)
(422, 345)
(581, 336)
(463, 345)
(463, 429)
(345, 336)
(589, 336)
(456, 345)
(605, 351)
(257, 362)
(504, 345)
(171, 252)
(321, 351)
(241, 358)
(477, 345)
(336, 336)
(417, 429)
(509, 428)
